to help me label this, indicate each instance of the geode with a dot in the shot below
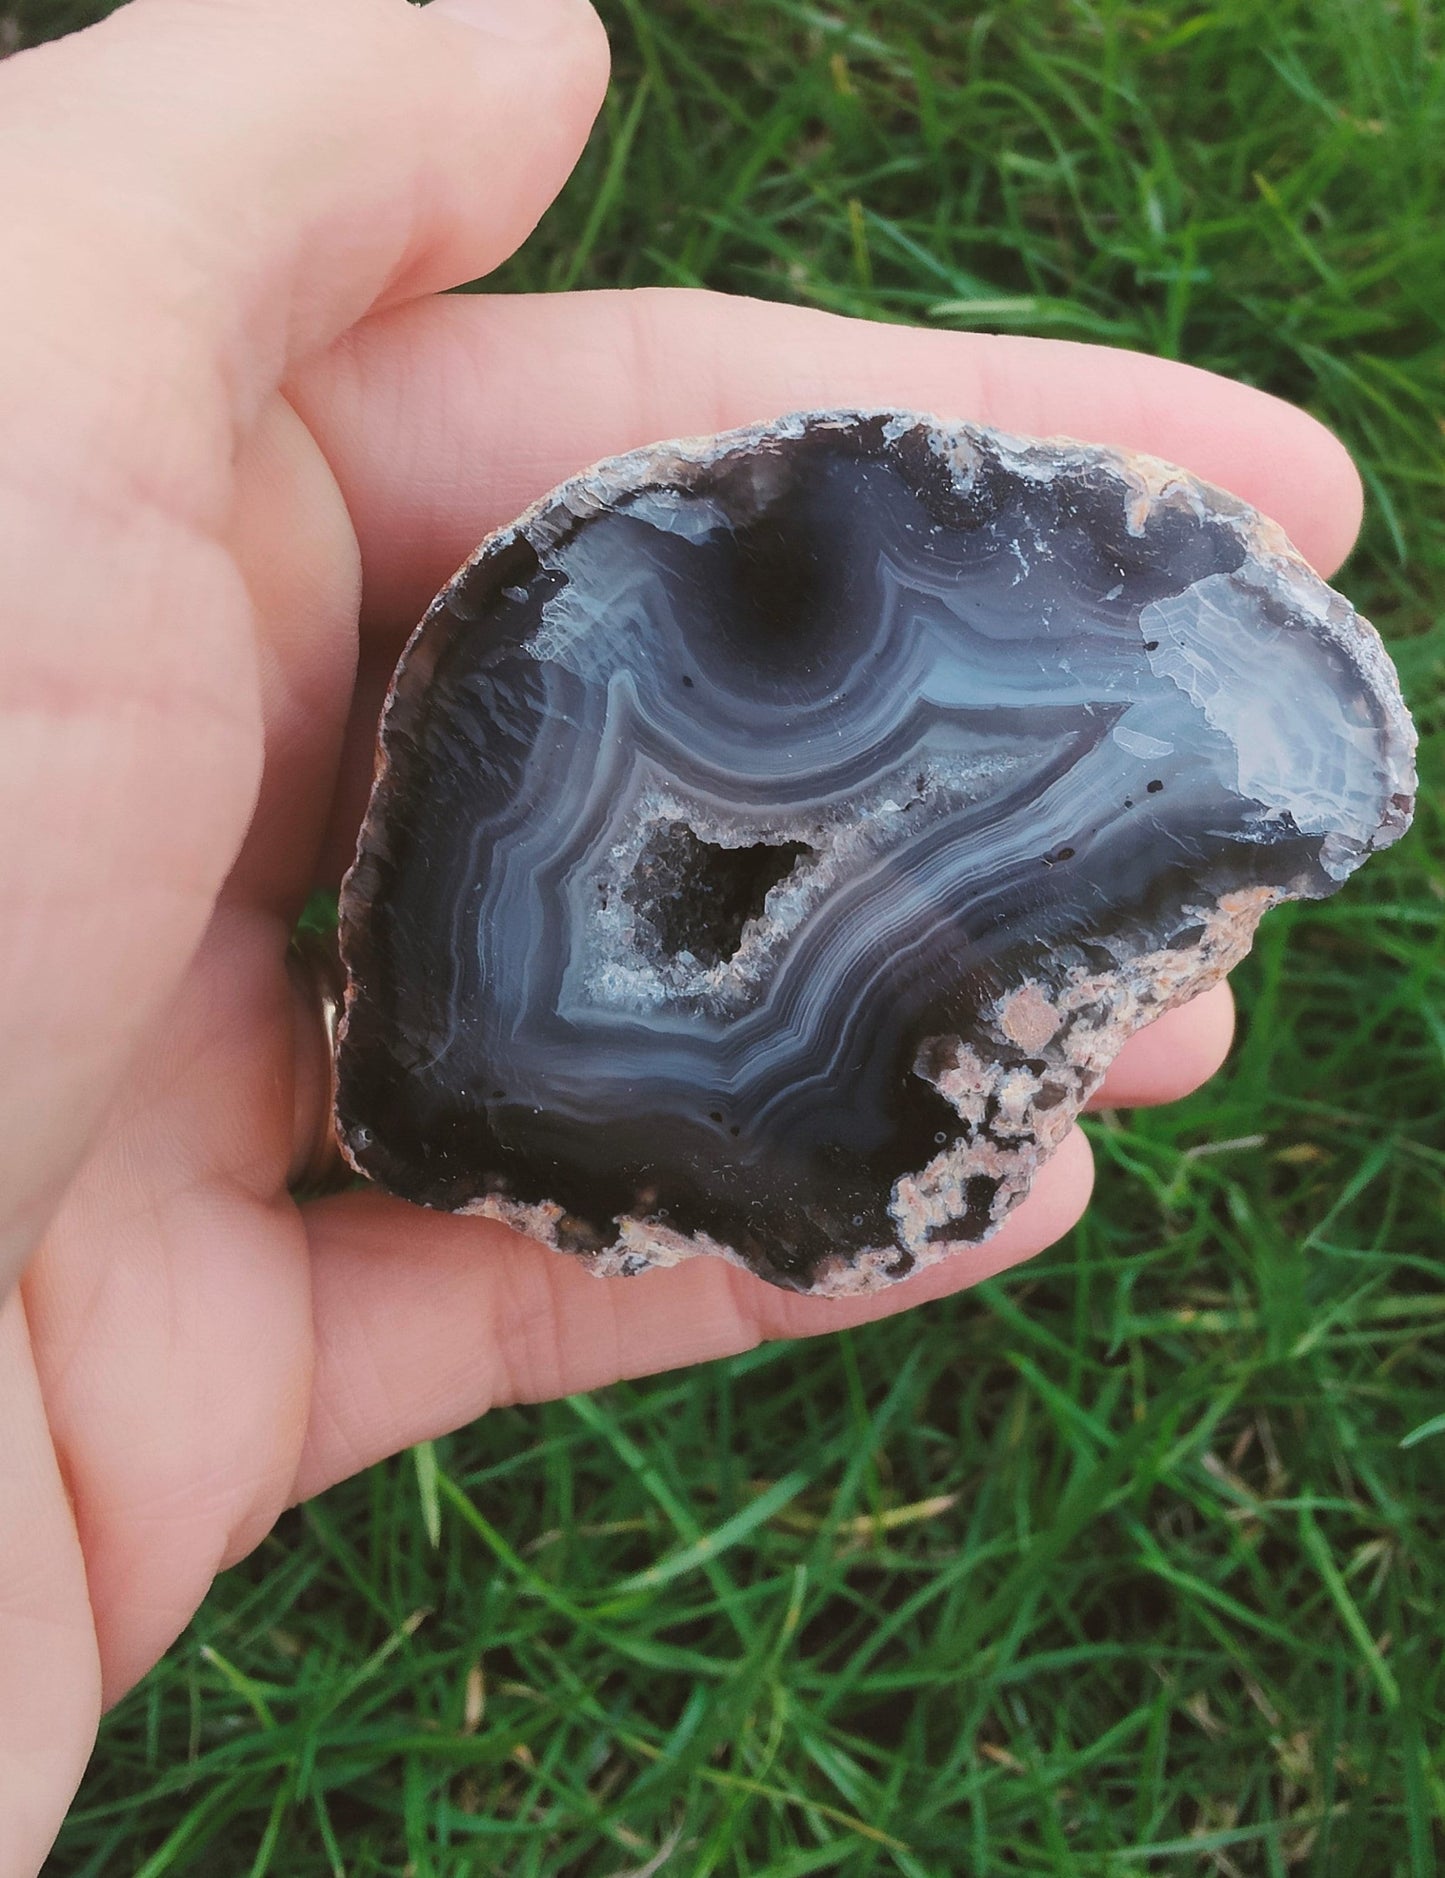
(775, 836)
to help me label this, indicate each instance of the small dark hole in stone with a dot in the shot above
(1151, 645)
(714, 1115)
(696, 896)
(1064, 854)
(1155, 786)
(735, 1130)
(1128, 802)
(687, 681)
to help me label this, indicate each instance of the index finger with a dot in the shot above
(444, 419)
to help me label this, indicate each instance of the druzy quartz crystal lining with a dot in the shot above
(776, 836)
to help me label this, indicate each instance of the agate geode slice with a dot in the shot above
(775, 836)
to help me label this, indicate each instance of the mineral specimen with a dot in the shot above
(776, 836)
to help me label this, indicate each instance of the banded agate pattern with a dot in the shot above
(776, 836)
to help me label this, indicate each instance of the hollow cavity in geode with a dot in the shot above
(776, 835)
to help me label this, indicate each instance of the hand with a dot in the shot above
(235, 422)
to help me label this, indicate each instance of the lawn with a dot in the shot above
(1134, 1562)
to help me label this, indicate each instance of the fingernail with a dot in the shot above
(516, 19)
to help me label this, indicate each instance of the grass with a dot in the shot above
(1135, 1562)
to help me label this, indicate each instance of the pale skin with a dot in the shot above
(238, 421)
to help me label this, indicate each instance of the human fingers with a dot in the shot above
(49, 1673)
(1172, 1056)
(197, 194)
(169, 1302)
(444, 420)
(424, 1320)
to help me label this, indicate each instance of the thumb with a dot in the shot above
(220, 187)
(198, 194)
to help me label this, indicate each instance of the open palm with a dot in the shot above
(239, 422)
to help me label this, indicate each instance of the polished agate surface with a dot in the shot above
(776, 835)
